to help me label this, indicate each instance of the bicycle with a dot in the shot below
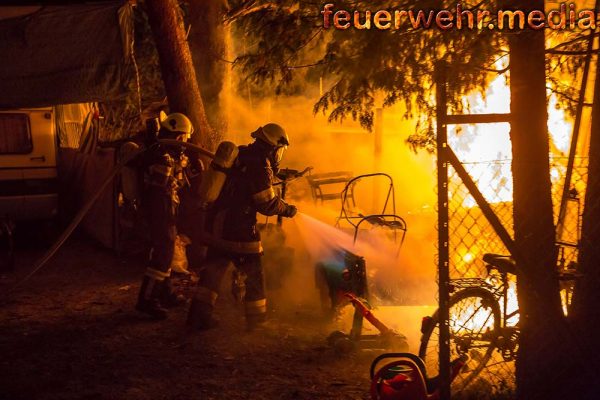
(481, 320)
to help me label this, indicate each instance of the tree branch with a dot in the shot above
(243, 11)
(303, 45)
(321, 62)
(572, 41)
(497, 71)
(566, 96)
(570, 53)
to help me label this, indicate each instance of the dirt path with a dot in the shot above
(71, 333)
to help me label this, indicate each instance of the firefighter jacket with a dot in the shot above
(248, 189)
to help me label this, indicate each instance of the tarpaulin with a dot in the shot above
(66, 54)
(80, 176)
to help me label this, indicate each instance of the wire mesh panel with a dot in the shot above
(568, 226)
(478, 313)
(472, 236)
(488, 332)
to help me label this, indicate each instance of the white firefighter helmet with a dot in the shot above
(274, 135)
(177, 123)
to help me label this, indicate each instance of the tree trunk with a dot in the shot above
(176, 66)
(585, 311)
(209, 42)
(541, 319)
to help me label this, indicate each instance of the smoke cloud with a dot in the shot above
(406, 277)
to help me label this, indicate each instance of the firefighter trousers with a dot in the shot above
(163, 232)
(250, 264)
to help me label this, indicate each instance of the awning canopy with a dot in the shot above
(65, 54)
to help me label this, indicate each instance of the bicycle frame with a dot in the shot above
(500, 291)
(503, 295)
(487, 296)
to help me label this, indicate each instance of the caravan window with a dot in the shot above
(15, 135)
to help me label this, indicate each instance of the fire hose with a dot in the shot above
(90, 203)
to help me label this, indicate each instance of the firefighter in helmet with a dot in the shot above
(164, 175)
(230, 227)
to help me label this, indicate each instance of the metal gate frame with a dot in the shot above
(446, 156)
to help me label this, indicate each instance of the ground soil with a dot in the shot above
(71, 332)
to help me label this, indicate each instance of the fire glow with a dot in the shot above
(486, 151)
(486, 148)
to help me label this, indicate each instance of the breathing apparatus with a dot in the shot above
(164, 131)
(215, 175)
(151, 139)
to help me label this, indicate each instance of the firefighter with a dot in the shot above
(164, 175)
(230, 227)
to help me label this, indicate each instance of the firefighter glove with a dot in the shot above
(290, 211)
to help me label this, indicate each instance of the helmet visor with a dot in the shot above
(278, 156)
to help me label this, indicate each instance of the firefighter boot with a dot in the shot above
(200, 314)
(169, 298)
(256, 314)
(148, 299)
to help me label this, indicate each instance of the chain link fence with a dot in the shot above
(471, 236)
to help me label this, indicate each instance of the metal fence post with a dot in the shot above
(575, 137)
(443, 233)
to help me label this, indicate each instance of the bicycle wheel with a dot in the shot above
(474, 324)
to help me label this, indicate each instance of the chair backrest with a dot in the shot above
(328, 186)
